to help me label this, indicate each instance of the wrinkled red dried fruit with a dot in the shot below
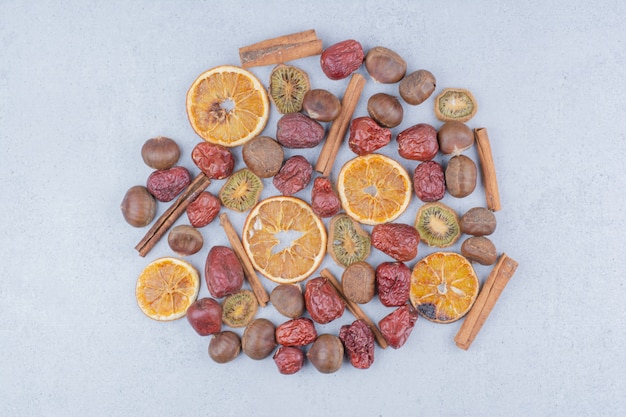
(324, 200)
(429, 181)
(288, 359)
(342, 59)
(203, 209)
(297, 130)
(358, 342)
(393, 280)
(418, 142)
(205, 316)
(166, 184)
(296, 332)
(223, 272)
(294, 175)
(397, 240)
(397, 326)
(215, 161)
(322, 301)
(367, 136)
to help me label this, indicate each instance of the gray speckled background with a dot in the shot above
(84, 84)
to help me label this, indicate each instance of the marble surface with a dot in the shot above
(84, 84)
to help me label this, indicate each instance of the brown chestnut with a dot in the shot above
(138, 206)
(460, 174)
(224, 346)
(479, 249)
(416, 87)
(385, 109)
(321, 105)
(160, 152)
(326, 353)
(384, 65)
(288, 300)
(454, 137)
(185, 240)
(259, 339)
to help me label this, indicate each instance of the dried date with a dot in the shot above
(215, 161)
(289, 359)
(393, 280)
(223, 272)
(294, 175)
(203, 209)
(296, 332)
(397, 326)
(322, 301)
(324, 200)
(397, 240)
(297, 130)
(429, 181)
(358, 341)
(418, 142)
(342, 59)
(367, 136)
(166, 184)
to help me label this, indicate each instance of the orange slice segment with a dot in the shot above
(227, 105)
(374, 189)
(284, 239)
(166, 288)
(444, 287)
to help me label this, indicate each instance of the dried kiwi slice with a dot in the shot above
(288, 85)
(455, 104)
(348, 242)
(438, 225)
(239, 309)
(241, 191)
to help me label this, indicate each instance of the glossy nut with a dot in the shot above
(461, 176)
(185, 240)
(160, 152)
(385, 109)
(384, 65)
(416, 87)
(138, 206)
(321, 105)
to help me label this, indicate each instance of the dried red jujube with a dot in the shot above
(215, 161)
(393, 280)
(418, 142)
(289, 359)
(342, 59)
(296, 332)
(397, 240)
(367, 136)
(297, 130)
(322, 301)
(358, 341)
(166, 184)
(324, 200)
(203, 209)
(397, 326)
(294, 175)
(429, 181)
(223, 272)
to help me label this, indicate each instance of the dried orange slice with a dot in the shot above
(284, 239)
(166, 288)
(374, 189)
(227, 105)
(444, 287)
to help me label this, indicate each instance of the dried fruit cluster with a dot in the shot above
(302, 125)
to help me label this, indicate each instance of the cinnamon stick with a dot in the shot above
(167, 219)
(281, 49)
(339, 126)
(355, 309)
(488, 169)
(487, 298)
(248, 269)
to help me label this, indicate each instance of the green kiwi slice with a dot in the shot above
(239, 309)
(438, 225)
(455, 104)
(288, 85)
(241, 191)
(348, 243)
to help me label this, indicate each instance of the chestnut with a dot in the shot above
(160, 153)
(259, 339)
(384, 65)
(185, 240)
(416, 87)
(321, 105)
(138, 206)
(454, 137)
(224, 346)
(326, 353)
(385, 109)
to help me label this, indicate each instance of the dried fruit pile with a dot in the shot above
(286, 237)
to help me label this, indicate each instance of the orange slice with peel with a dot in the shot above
(374, 189)
(166, 288)
(284, 239)
(444, 287)
(227, 105)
